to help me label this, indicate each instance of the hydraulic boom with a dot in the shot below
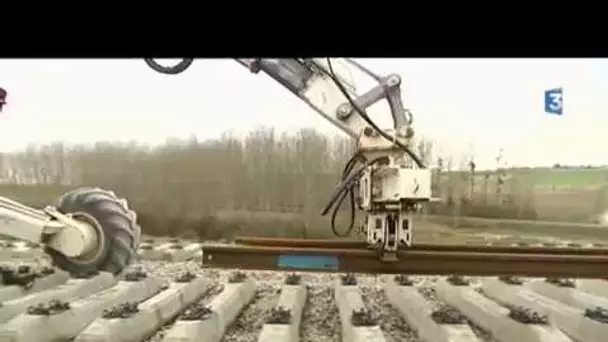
(391, 181)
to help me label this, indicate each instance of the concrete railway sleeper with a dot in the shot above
(576, 322)
(204, 305)
(503, 322)
(143, 319)
(421, 314)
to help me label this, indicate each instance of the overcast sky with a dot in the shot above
(465, 105)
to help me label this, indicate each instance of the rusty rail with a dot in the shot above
(358, 244)
(352, 256)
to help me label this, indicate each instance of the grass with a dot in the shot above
(34, 195)
(558, 178)
(563, 178)
(522, 229)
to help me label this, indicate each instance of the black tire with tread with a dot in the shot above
(119, 225)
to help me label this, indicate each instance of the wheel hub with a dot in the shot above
(98, 247)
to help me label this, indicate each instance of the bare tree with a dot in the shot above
(180, 184)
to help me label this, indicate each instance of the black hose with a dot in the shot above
(334, 214)
(346, 182)
(178, 68)
(351, 194)
(346, 188)
(367, 119)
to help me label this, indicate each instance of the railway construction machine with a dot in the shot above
(390, 184)
(92, 229)
(392, 181)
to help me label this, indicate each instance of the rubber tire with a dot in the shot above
(170, 70)
(119, 225)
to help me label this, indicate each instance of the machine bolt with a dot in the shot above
(368, 131)
(409, 132)
(393, 80)
(344, 111)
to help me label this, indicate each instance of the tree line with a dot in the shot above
(188, 185)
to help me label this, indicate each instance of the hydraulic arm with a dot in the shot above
(390, 182)
(87, 230)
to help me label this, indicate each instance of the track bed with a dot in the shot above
(166, 300)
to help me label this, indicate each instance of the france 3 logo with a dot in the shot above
(554, 101)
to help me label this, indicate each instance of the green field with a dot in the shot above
(573, 178)
(559, 178)
(35, 195)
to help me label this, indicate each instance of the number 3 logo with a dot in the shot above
(554, 101)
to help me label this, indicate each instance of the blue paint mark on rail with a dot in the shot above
(317, 262)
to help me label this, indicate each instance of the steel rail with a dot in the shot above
(357, 244)
(433, 261)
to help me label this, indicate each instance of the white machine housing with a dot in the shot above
(394, 185)
(390, 194)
